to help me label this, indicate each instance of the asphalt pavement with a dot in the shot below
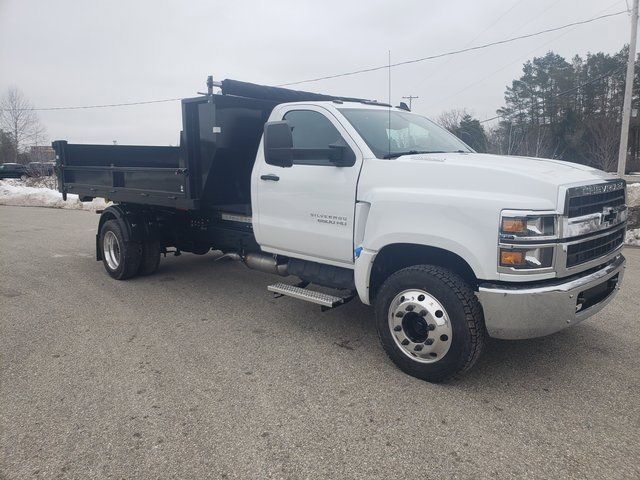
(197, 372)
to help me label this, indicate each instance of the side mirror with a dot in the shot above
(278, 144)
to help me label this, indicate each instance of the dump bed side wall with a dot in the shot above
(136, 174)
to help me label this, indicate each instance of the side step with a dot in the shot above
(326, 300)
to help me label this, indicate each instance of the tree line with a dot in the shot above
(558, 108)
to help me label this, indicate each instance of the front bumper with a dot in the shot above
(516, 312)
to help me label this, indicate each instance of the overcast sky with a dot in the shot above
(76, 52)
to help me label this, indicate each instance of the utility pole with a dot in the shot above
(410, 97)
(628, 92)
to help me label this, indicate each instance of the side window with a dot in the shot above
(311, 129)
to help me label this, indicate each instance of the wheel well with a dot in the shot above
(105, 217)
(134, 229)
(400, 255)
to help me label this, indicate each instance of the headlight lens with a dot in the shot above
(528, 226)
(522, 258)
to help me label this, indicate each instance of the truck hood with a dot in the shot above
(511, 182)
(556, 172)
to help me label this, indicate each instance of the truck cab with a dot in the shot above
(372, 202)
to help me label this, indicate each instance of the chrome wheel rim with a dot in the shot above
(111, 250)
(420, 326)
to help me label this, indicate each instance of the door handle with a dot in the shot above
(271, 176)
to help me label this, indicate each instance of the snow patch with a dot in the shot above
(15, 193)
(633, 237)
(633, 194)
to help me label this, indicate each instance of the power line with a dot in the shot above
(442, 67)
(442, 100)
(520, 58)
(454, 52)
(82, 107)
(365, 70)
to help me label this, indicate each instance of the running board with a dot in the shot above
(323, 299)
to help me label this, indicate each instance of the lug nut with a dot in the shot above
(417, 348)
(400, 314)
(397, 328)
(423, 313)
(429, 341)
(409, 308)
(432, 326)
(405, 342)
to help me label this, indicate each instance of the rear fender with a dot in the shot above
(134, 224)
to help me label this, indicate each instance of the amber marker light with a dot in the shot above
(512, 258)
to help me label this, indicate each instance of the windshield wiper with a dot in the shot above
(413, 152)
(399, 154)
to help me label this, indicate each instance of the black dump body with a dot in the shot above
(210, 169)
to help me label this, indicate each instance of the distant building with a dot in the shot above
(42, 153)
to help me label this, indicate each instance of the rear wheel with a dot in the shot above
(121, 259)
(429, 322)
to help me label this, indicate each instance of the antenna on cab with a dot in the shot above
(389, 108)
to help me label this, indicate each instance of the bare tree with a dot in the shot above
(496, 140)
(603, 137)
(20, 121)
(450, 119)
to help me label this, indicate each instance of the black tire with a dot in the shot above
(150, 260)
(463, 310)
(130, 253)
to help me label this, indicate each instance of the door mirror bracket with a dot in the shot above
(278, 144)
(341, 155)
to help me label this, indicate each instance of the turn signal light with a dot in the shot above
(512, 258)
(513, 225)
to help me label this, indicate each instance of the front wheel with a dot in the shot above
(429, 322)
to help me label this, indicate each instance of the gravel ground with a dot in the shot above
(197, 372)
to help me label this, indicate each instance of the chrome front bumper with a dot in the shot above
(517, 312)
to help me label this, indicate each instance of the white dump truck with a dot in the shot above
(347, 198)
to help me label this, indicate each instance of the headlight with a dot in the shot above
(527, 240)
(523, 258)
(515, 226)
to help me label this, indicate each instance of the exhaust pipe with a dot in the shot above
(265, 263)
(258, 261)
(230, 255)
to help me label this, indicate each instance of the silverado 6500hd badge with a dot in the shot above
(329, 219)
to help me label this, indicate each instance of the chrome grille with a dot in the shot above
(583, 252)
(587, 199)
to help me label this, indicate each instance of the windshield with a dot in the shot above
(390, 134)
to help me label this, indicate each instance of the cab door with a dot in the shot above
(307, 210)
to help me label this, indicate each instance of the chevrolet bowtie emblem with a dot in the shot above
(609, 215)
